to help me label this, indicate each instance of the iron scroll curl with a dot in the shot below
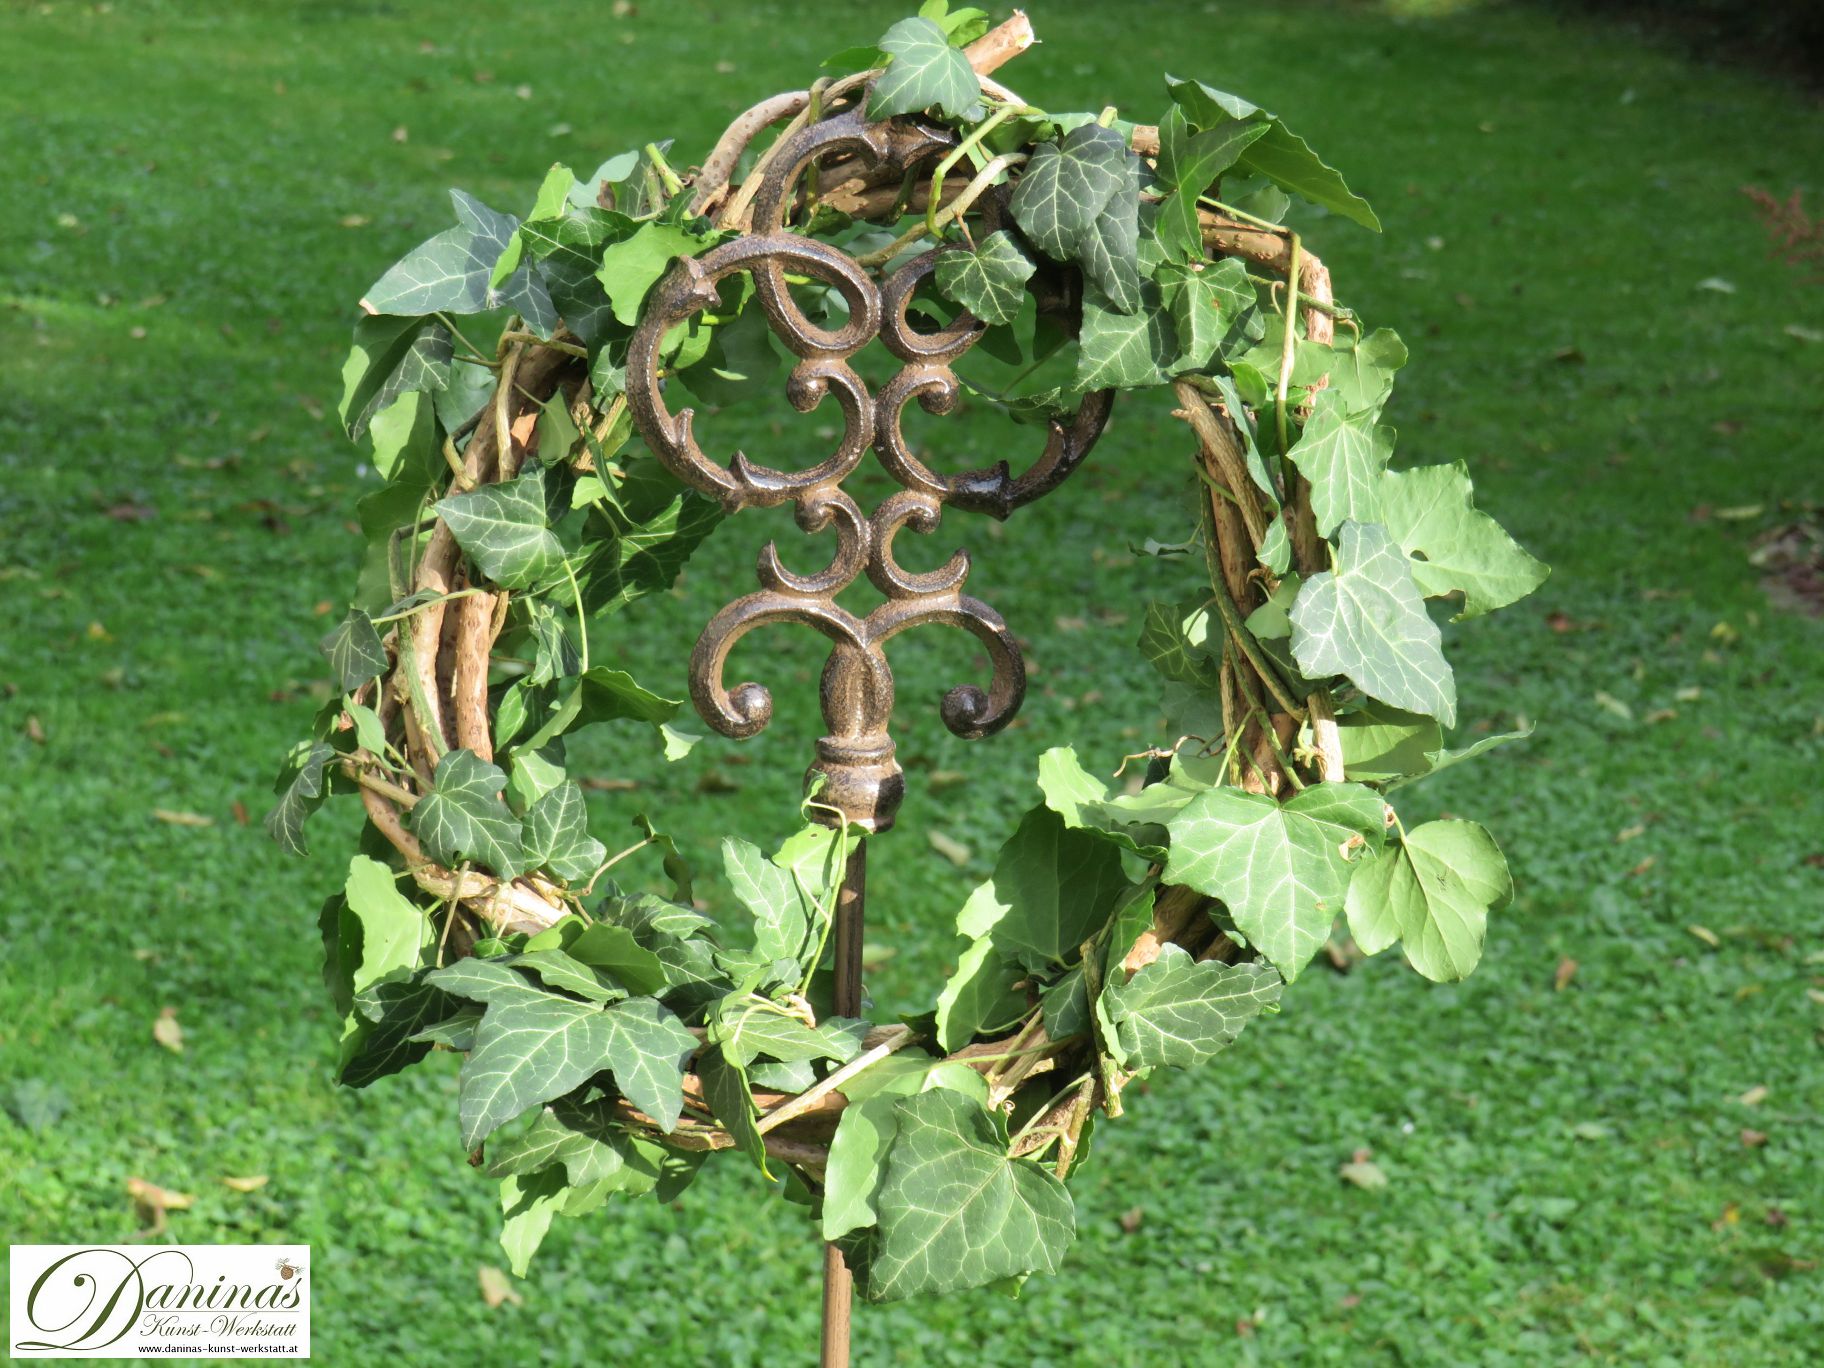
(861, 777)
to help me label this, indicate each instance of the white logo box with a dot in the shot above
(146, 1301)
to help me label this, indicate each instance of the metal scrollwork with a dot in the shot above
(856, 756)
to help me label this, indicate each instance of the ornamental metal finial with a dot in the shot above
(856, 757)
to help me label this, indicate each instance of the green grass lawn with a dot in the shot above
(196, 192)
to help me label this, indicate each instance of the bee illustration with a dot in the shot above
(287, 1269)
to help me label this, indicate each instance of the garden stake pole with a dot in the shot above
(851, 904)
(854, 779)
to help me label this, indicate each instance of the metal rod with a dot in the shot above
(851, 904)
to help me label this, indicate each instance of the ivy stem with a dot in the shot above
(1004, 1055)
(449, 920)
(797, 1106)
(460, 479)
(1237, 629)
(955, 209)
(1244, 216)
(429, 603)
(826, 900)
(612, 861)
(386, 788)
(1289, 349)
(582, 621)
(969, 143)
(477, 355)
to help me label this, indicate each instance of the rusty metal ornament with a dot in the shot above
(862, 779)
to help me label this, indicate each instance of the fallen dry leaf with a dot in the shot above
(1364, 1173)
(1567, 970)
(34, 729)
(1131, 1219)
(253, 1182)
(167, 1032)
(497, 1288)
(151, 1202)
(187, 819)
(1753, 1139)
(99, 633)
(1754, 1096)
(1705, 934)
(1643, 866)
(949, 847)
(239, 809)
(1628, 833)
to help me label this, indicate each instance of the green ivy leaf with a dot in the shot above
(1279, 154)
(1206, 306)
(925, 73)
(632, 266)
(568, 247)
(451, 272)
(1188, 164)
(1125, 348)
(553, 198)
(1362, 369)
(782, 913)
(1432, 892)
(504, 529)
(1177, 1012)
(750, 1028)
(638, 547)
(530, 1050)
(1344, 456)
(867, 1128)
(391, 357)
(556, 968)
(1164, 642)
(488, 981)
(393, 928)
(1382, 743)
(1443, 758)
(1365, 620)
(603, 695)
(1082, 800)
(1052, 887)
(1065, 1005)
(302, 786)
(725, 1088)
(1066, 203)
(990, 282)
(980, 993)
(527, 1205)
(997, 1218)
(1281, 868)
(557, 837)
(463, 818)
(585, 1138)
(354, 651)
(1430, 511)
(387, 1030)
(617, 950)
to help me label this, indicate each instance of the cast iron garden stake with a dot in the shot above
(854, 770)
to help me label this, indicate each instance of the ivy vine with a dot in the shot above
(614, 1036)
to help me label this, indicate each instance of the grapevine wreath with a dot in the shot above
(614, 1036)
